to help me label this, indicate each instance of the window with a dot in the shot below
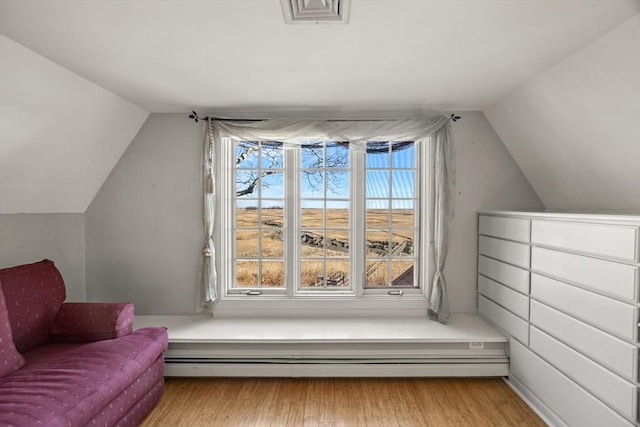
(322, 219)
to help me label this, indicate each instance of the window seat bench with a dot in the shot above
(201, 345)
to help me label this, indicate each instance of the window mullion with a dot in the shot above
(292, 219)
(357, 221)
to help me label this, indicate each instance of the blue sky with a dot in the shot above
(312, 179)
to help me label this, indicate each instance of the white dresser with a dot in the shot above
(564, 288)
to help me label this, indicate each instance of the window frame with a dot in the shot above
(292, 299)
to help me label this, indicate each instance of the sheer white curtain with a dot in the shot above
(209, 278)
(293, 132)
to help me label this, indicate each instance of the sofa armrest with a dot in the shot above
(87, 321)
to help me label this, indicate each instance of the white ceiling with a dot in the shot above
(238, 55)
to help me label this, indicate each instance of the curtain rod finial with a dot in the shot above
(194, 116)
(455, 118)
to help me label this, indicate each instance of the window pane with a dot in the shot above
(403, 243)
(247, 244)
(312, 155)
(377, 244)
(247, 273)
(403, 155)
(377, 184)
(312, 243)
(311, 184)
(337, 243)
(272, 243)
(402, 273)
(337, 273)
(273, 214)
(377, 155)
(273, 273)
(403, 184)
(377, 273)
(337, 184)
(272, 155)
(247, 213)
(337, 214)
(247, 183)
(312, 273)
(377, 213)
(271, 184)
(337, 155)
(247, 155)
(311, 213)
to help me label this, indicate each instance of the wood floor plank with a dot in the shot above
(340, 402)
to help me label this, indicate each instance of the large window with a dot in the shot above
(322, 219)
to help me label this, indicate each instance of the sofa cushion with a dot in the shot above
(34, 294)
(92, 321)
(10, 359)
(69, 384)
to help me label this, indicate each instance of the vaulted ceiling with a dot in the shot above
(79, 77)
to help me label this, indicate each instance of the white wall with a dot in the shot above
(144, 229)
(575, 129)
(27, 238)
(60, 134)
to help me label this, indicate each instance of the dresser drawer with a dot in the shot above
(606, 313)
(612, 389)
(513, 253)
(506, 228)
(569, 401)
(506, 274)
(504, 319)
(612, 352)
(600, 239)
(506, 297)
(610, 278)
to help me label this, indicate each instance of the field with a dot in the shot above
(381, 242)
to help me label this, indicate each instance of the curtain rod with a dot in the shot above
(194, 116)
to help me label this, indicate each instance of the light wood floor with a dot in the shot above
(340, 402)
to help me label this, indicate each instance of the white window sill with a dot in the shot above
(206, 329)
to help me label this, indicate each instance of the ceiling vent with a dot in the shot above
(316, 11)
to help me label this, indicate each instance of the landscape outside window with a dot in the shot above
(327, 212)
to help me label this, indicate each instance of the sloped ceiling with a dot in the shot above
(78, 77)
(174, 55)
(60, 134)
(575, 129)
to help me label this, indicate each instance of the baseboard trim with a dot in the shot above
(336, 370)
(543, 411)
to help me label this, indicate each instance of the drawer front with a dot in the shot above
(612, 352)
(513, 277)
(603, 312)
(601, 239)
(610, 278)
(506, 297)
(503, 319)
(513, 253)
(507, 228)
(612, 389)
(569, 401)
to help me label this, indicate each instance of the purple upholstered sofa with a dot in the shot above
(72, 364)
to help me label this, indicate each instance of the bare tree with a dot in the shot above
(271, 156)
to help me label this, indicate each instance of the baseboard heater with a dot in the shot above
(495, 366)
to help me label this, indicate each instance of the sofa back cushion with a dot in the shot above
(10, 359)
(33, 294)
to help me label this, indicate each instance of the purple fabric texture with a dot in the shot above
(33, 294)
(131, 401)
(86, 322)
(70, 384)
(10, 359)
